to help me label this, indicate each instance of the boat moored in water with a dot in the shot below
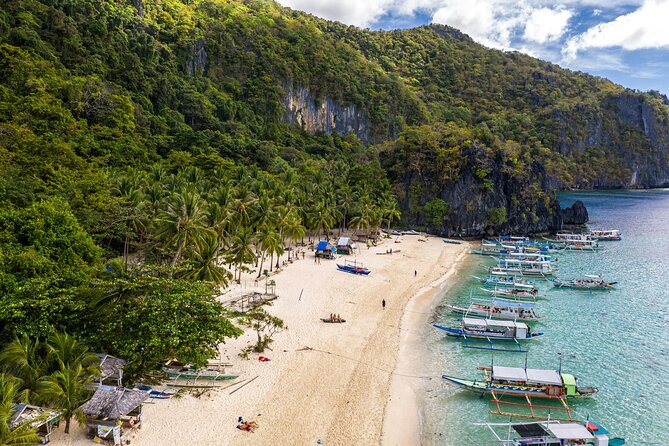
(589, 282)
(552, 433)
(524, 382)
(498, 309)
(605, 235)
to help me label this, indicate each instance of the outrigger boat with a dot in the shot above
(552, 433)
(191, 373)
(606, 235)
(575, 242)
(505, 281)
(525, 383)
(506, 266)
(499, 309)
(590, 282)
(514, 294)
(354, 268)
(491, 330)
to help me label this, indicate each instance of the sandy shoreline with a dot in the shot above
(327, 382)
(402, 422)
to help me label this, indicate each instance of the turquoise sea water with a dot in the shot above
(617, 341)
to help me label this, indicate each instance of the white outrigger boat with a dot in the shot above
(536, 268)
(590, 282)
(506, 281)
(575, 242)
(606, 235)
(514, 294)
(491, 330)
(498, 309)
(552, 433)
(524, 383)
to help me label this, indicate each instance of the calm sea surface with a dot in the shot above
(617, 341)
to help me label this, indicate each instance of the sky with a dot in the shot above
(626, 41)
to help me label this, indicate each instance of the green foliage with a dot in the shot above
(264, 324)
(497, 216)
(22, 434)
(160, 318)
(436, 211)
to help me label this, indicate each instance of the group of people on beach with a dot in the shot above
(335, 318)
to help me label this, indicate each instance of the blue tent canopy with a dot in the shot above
(325, 246)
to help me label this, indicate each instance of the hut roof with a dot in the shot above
(109, 365)
(113, 402)
(25, 413)
(344, 241)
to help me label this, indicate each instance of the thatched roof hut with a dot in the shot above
(111, 369)
(113, 402)
(43, 419)
(25, 412)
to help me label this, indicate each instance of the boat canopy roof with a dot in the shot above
(569, 431)
(531, 376)
(539, 376)
(509, 373)
(471, 321)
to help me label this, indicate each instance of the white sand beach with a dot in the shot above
(328, 382)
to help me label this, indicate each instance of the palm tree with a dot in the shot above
(204, 264)
(241, 250)
(13, 435)
(26, 360)
(390, 212)
(321, 218)
(182, 224)
(293, 227)
(65, 389)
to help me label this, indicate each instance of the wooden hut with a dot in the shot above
(325, 250)
(345, 245)
(111, 370)
(45, 419)
(112, 412)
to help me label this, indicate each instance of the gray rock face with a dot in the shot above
(327, 115)
(511, 205)
(577, 214)
(198, 60)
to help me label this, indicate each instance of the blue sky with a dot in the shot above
(626, 41)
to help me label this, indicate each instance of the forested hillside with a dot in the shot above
(169, 134)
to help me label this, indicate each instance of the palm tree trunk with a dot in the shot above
(67, 425)
(262, 260)
(271, 260)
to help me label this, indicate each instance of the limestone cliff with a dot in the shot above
(327, 115)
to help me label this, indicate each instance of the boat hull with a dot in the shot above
(484, 387)
(483, 334)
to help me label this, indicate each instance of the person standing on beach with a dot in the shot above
(415, 273)
(383, 303)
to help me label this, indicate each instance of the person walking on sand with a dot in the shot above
(415, 273)
(383, 303)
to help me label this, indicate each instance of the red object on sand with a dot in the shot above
(263, 359)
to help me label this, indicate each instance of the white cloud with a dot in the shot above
(352, 12)
(644, 28)
(545, 25)
(490, 22)
(596, 12)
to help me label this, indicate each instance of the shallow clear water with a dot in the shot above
(617, 341)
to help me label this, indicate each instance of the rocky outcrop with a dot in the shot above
(499, 203)
(576, 214)
(327, 115)
(197, 62)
